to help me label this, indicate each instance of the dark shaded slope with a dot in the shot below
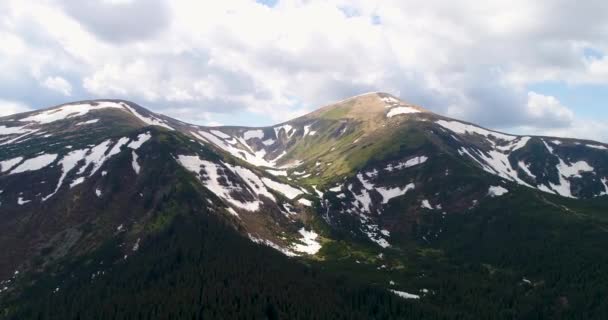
(198, 267)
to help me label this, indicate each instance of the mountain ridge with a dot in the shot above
(330, 106)
(369, 186)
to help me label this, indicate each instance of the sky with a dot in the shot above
(527, 67)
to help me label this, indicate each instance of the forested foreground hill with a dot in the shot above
(370, 208)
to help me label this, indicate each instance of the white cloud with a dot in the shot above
(548, 108)
(199, 59)
(58, 84)
(8, 108)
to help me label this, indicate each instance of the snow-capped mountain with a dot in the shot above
(371, 171)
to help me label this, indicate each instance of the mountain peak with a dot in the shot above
(367, 106)
(88, 112)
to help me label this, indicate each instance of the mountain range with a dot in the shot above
(368, 208)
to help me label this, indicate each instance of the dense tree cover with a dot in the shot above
(199, 268)
(527, 260)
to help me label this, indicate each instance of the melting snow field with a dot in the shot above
(462, 128)
(78, 110)
(289, 130)
(253, 134)
(426, 205)
(595, 146)
(68, 163)
(216, 180)
(496, 160)
(401, 110)
(213, 178)
(252, 180)
(497, 191)
(407, 164)
(35, 164)
(273, 245)
(285, 189)
(269, 142)
(405, 295)
(255, 158)
(310, 244)
(135, 163)
(4, 130)
(152, 121)
(390, 193)
(305, 202)
(68, 111)
(87, 122)
(568, 171)
(605, 183)
(141, 139)
(89, 158)
(7, 165)
(526, 168)
(277, 172)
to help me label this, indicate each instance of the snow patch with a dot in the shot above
(526, 168)
(76, 182)
(7, 165)
(566, 171)
(319, 193)
(285, 189)
(461, 128)
(605, 183)
(220, 134)
(253, 134)
(35, 164)
(548, 147)
(401, 110)
(68, 163)
(277, 172)
(273, 245)
(595, 146)
(4, 130)
(141, 139)
(269, 142)
(68, 111)
(405, 295)
(134, 163)
(497, 191)
(252, 180)
(256, 159)
(305, 202)
(213, 179)
(310, 244)
(87, 122)
(407, 164)
(426, 204)
(289, 130)
(152, 121)
(515, 145)
(390, 193)
(574, 169)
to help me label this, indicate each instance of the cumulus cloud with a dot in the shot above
(120, 20)
(204, 60)
(11, 107)
(548, 109)
(58, 84)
